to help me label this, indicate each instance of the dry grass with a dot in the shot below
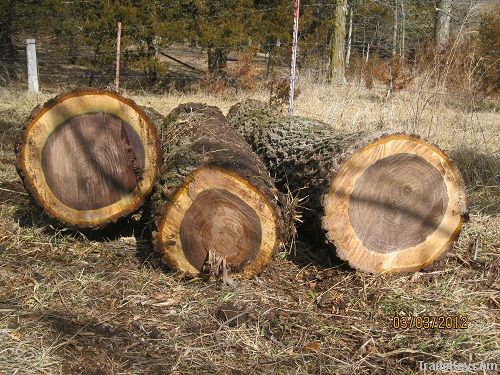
(75, 303)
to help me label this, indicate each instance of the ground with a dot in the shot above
(74, 302)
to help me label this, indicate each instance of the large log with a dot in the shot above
(389, 202)
(215, 200)
(89, 157)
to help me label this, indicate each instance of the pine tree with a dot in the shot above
(7, 50)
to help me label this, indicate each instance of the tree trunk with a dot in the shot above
(349, 38)
(215, 200)
(403, 31)
(442, 24)
(389, 202)
(394, 27)
(89, 157)
(217, 60)
(337, 48)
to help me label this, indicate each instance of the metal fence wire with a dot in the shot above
(74, 59)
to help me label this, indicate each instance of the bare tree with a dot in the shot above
(403, 30)
(395, 27)
(337, 55)
(442, 23)
(349, 37)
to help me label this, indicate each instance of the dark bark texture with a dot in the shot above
(302, 154)
(196, 135)
(217, 60)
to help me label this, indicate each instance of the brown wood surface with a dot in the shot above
(89, 157)
(215, 200)
(396, 204)
(99, 155)
(389, 202)
(221, 222)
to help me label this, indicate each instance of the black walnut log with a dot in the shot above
(215, 200)
(389, 202)
(89, 157)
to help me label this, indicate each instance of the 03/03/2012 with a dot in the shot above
(403, 322)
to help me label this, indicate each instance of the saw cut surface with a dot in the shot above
(221, 222)
(89, 157)
(220, 212)
(394, 205)
(397, 203)
(99, 155)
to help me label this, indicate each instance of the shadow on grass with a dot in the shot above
(146, 254)
(101, 348)
(29, 215)
(308, 249)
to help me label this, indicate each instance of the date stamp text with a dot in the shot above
(442, 322)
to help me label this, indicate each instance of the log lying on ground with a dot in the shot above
(215, 205)
(89, 157)
(388, 202)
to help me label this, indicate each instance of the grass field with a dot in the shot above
(74, 302)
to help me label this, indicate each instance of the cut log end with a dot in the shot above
(89, 158)
(217, 212)
(395, 205)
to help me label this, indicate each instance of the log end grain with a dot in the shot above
(394, 205)
(89, 157)
(217, 211)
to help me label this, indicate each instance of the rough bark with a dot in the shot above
(366, 194)
(300, 153)
(217, 60)
(442, 24)
(89, 158)
(337, 49)
(211, 182)
(395, 20)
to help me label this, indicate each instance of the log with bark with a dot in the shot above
(215, 207)
(389, 202)
(89, 157)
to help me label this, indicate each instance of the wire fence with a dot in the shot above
(75, 60)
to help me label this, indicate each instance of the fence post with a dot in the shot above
(293, 76)
(32, 65)
(118, 42)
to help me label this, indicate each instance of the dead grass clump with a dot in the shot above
(489, 50)
(279, 92)
(246, 73)
(214, 85)
(393, 73)
(481, 173)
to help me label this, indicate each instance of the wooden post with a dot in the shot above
(293, 76)
(118, 42)
(32, 65)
